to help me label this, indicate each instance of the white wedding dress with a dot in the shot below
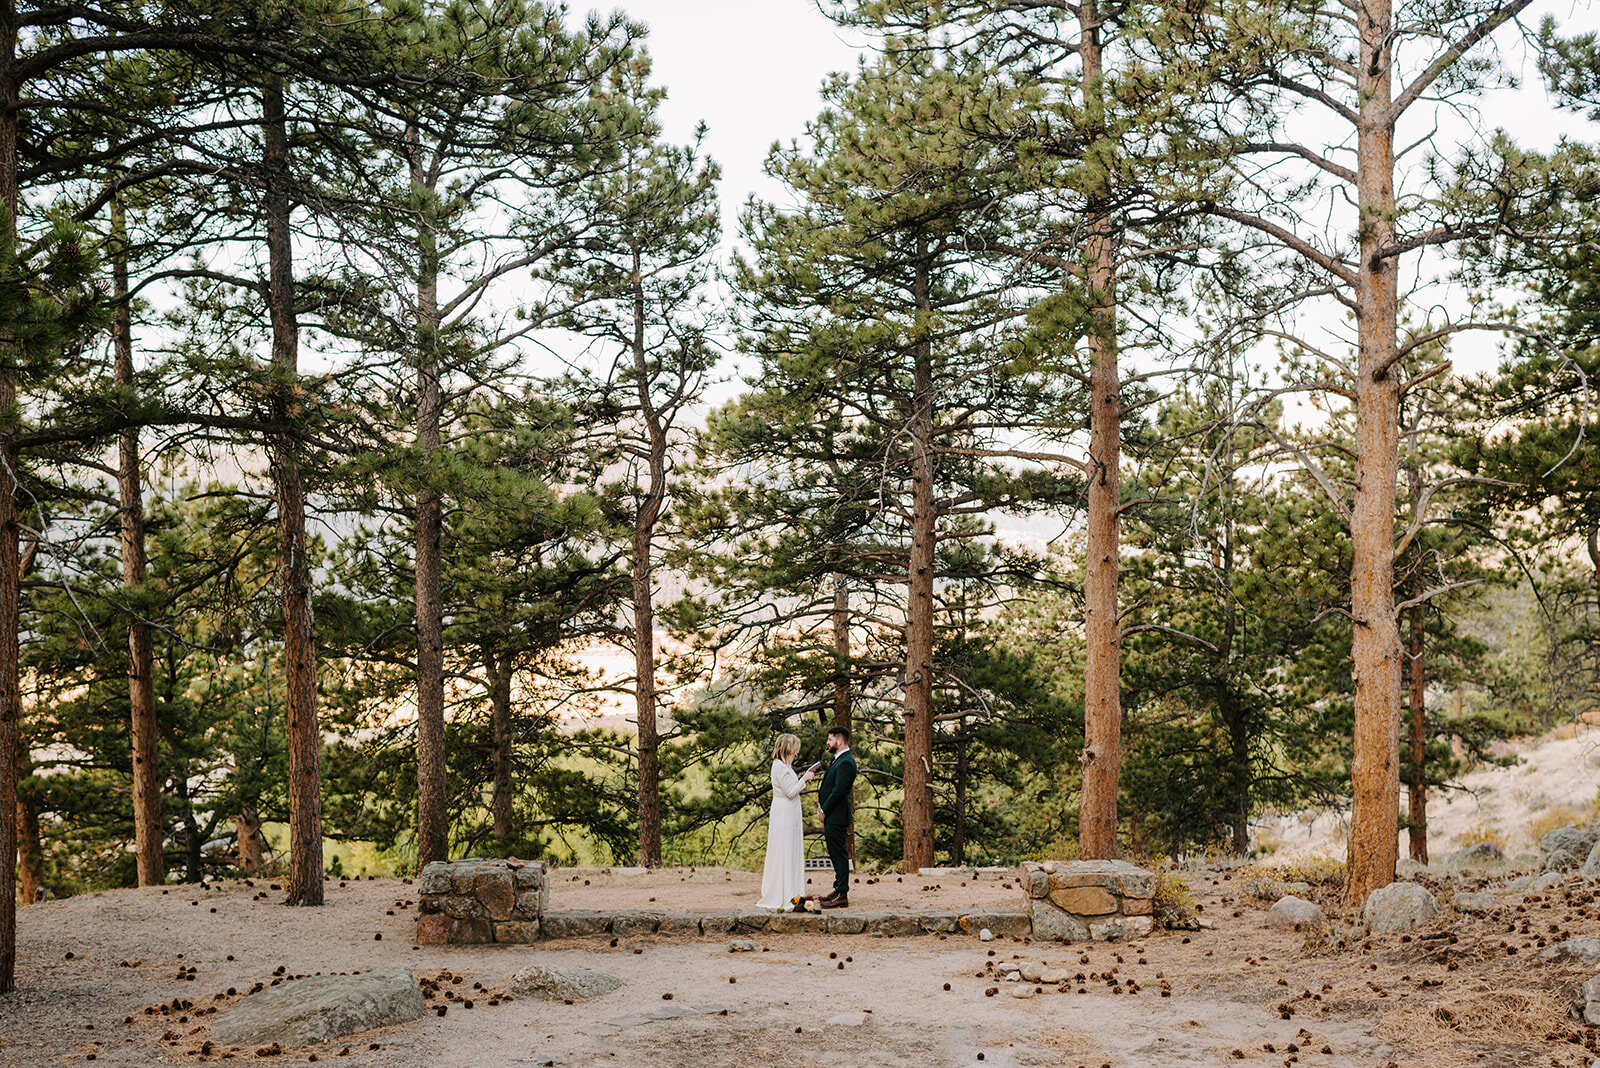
(784, 877)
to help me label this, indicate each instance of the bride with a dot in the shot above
(784, 877)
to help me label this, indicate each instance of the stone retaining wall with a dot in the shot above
(474, 901)
(1080, 900)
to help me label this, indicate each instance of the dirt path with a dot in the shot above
(88, 964)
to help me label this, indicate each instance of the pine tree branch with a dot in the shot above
(1448, 58)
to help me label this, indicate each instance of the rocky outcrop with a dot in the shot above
(318, 1008)
(562, 984)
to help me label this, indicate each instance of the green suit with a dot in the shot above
(833, 797)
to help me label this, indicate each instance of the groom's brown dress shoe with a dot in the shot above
(838, 902)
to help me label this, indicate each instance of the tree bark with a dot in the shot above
(30, 851)
(10, 562)
(147, 829)
(500, 716)
(1102, 676)
(1417, 793)
(916, 814)
(644, 637)
(247, 838)
(432, 824)
(304, 883)
(1376, 647)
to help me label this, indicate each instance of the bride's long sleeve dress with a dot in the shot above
(784, 876)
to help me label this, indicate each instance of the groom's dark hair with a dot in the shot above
(843, 732)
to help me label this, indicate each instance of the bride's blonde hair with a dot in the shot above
(786, 748)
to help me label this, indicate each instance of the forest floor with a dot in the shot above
(1468, 991)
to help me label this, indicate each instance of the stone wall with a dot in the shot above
(1082, 900)
(481, 901)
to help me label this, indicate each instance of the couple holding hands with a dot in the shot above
(783, 879)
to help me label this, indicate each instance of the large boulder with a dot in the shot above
(1591, 866)
(318, 1008)
(561, 984)
(1399, 907)
(1565, 847)
(1476, 855)
(1296, 913)
(1477, 903)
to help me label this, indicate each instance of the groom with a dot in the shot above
(835, 811)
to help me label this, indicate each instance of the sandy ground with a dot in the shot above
(1242, 994)
(1554, 772)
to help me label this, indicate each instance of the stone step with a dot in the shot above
(721, 923)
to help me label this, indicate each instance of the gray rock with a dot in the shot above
(631, 924)
(319, 1008)
(939, 923)
(1586, 950)
(575, 924)
(1005, 922)
(1567, 840)
(1477, 903)
(1031, 970)
(1477, 855)
(712, 923)
(1399, 907)
(1591, 1001)
(891, 924)
(1591, 866)
(741, 945)
(1119, 928)
(1297, 913)
(434, 879)
(1406, 868)
(1562, 860)
(844, 923)
(558, 984)
(1023, 991)
(1521, 882)
(1548, 881)
(986, 935)
(1050, 924)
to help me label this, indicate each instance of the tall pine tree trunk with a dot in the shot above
(644, 637)
(499, 671)
(304, 883)
(30, 851)
(916, 815)
(147, 829)
(1376, 648)
(1417, 791)
(841, 680)
(841, 651)
(1102, 674)
(10, 562)
(247, 838)
(432, 829)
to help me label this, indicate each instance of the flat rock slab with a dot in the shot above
(723, 922)
(560, 984)
(318, 1008)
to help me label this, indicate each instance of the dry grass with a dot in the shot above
(1552, 818)
(1484, 832)
(1457, 1032)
